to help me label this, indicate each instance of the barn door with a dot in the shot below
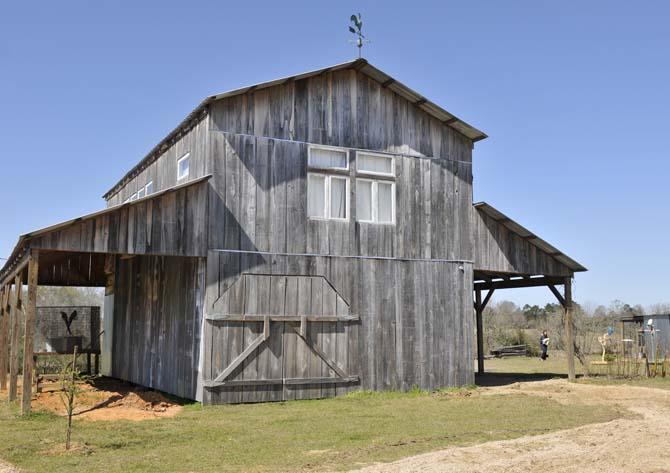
(278, 337)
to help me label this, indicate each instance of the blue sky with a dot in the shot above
(574, 96)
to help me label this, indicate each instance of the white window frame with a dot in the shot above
(146, 188)
(375, 201)
(329, 148)
(326, 187)
(185, 156)
(133, 197)
(378, 155)
(141, 193)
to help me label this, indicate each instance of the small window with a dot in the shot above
(327, 196)
(140, 193)
(327, 158)
(133, 197)
(183, 167)
(375, 201)
(370, 163)
(149, 188)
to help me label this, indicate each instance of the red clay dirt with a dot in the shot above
(108, 399)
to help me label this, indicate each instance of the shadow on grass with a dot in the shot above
(504, 379)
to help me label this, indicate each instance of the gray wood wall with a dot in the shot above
(340, 108)
(173, 223)
(497, 249)
(415, 328)
(163, 170)
(259, 197)
(157, 322)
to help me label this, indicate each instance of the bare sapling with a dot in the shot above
(69, 378)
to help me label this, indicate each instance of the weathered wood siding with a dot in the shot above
(163, 171)
(340, 108)
(157, 322)
(415, 327)
(259, 202)
(499, 250)
(173, 223)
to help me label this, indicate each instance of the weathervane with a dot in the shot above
(357, 30)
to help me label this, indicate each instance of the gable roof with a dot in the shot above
(361, 65)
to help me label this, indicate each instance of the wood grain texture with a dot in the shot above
(415, 328)
(174, 223)
(157, 323)
(340, 108)
(497, 249)
(162, 172)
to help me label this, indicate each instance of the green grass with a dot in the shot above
(339, 433)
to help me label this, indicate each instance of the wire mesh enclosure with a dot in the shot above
(59, 329)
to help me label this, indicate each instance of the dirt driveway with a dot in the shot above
(638, 444)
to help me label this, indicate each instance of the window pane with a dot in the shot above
(140, 193)
(385, 202)
(363, 200)
(150, 188)
(373, 163)
(316, 196)
(327, 158)
(183, 167)
(338, 198)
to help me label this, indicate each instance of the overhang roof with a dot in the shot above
(529, 236)
(20, 247)
(361, 65)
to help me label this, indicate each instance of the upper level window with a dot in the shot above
(183, 167)
(325, 157)
(133, 197)
(375, 201)
(328, 183)
(371, 163)
(327, 196)
(140, 193)
(375, 198)
(149, 188)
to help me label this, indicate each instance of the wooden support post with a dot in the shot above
(97, 364)
(479, 314)
(479, 311)
(569, 329)
(15, 336)
(4, 337)
(29, 333)
(88, 364)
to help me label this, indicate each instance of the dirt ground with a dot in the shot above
(107, 399)
(636, 444)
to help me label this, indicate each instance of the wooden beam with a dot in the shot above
(569, 329)
(479, 310)
(29, 333)
(240, 358)
(4, 337)
(15, 335)
(487, 299)
(281, 381)
(280, 318)
(331, 363)
(519, 283)
(558, 295)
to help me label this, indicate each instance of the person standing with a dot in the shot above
(544, 345)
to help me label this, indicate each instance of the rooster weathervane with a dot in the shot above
(356, 28)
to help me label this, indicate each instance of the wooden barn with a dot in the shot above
(295, 239)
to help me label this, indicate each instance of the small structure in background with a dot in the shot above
(58, 330)
(652, 340)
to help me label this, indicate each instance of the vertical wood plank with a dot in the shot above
(15, 334)
(29, 333)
